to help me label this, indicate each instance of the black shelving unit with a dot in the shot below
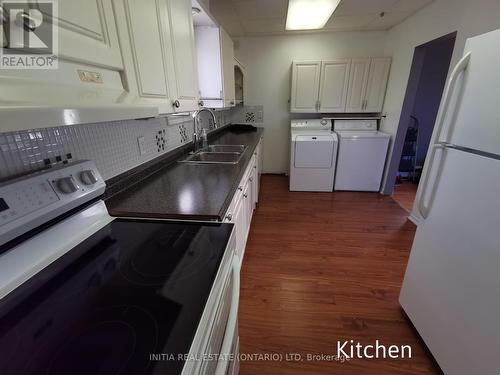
(408, 163)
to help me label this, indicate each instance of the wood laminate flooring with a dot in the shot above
(405, 194)
(323, 267)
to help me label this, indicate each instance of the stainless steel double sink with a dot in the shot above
(217, 154)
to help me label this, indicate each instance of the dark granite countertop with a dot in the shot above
(184, 191)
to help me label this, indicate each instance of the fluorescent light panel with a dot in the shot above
(309, 14)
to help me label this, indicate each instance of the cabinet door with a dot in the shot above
(252, 181)
(227, 53)
(140, 26)
(305, 86)
(209, 62)
(377, 84)
(240, 220)
(87, 33)
(184, 56)
(334, 83)
(248, 206)
(358, 79)
(257, 170)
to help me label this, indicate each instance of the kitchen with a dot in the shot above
(204, 187)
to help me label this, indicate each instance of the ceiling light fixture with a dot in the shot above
(309, 14)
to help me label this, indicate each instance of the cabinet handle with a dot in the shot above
(231, 102)
(176, 103)
(229, 217)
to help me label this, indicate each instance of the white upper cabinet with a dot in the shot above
(377, 84)
(208, 52)
(118, 59)
(305, 86)
(215, 57)
(157, 38)
(358, 81)
(184, 55)
(145, 36)
(227, 46)
(239, 81)
(339, 86)
(87, 86)
(87, 32)
(333, 86)
(367, 84)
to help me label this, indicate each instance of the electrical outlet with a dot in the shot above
(141, 141)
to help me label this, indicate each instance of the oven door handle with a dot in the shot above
(227, 343)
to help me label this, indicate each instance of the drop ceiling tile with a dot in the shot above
(389, 20)
(263, 25)
(233, 27)
(408, 5)
(349, 22)
(242, 17)
(222, 9)
(261, 8)
(358, 7)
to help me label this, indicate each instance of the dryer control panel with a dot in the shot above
(354, 125)
(312, 124)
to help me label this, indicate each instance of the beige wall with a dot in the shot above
(268, 63)
(468, 18)
(441, 17)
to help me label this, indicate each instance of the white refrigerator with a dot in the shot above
(451, 289)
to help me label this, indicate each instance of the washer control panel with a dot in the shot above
(30, 201)
(312, 124)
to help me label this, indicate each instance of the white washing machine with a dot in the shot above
(362, 154)
(313, 155)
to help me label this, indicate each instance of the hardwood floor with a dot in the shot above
(405, 194)
(322, 267)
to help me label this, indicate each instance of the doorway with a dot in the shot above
(430, 66)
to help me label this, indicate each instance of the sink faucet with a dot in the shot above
(197, 131)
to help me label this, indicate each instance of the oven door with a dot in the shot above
(221, 353)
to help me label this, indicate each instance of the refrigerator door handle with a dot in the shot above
(428, 184)
(450, 88)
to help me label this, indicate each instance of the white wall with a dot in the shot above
(441, 17)
(268, 63)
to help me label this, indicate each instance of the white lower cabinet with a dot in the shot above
(241, 209)
(216, 340)
(241, 225)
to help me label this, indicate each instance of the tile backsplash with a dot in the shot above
(115, 146)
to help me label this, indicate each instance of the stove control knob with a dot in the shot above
(88, 177)
(67, 185)
(324, 122)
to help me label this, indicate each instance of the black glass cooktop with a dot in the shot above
(133, 289)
